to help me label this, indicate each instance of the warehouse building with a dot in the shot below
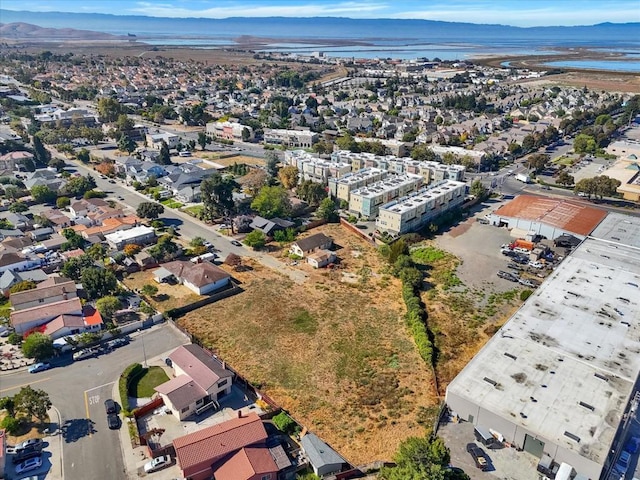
(366, 201)
(413, 212)
(558, 377)
(342, 187)
(547, 217)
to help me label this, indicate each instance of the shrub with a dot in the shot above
(11, 425)
(285, 423)
(525, 294)
(128, 375)
(15, 338)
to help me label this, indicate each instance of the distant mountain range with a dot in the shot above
(27, 31)
(378, 31)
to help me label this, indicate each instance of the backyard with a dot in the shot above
(169, 295)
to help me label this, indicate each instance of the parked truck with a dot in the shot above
(523, 177)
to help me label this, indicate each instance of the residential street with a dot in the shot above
(189, 227)
(78, 390)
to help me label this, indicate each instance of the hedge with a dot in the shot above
(128, 375)
(416, 320)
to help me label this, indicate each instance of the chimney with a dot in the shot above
(224, 365)
(239, 413)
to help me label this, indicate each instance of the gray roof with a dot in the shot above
(320, 453)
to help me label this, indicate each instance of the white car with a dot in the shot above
(536, 264)
(28, 465)
(157, 463)
(39, 367)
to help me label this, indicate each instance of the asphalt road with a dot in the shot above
(78, 390)
(188, 227)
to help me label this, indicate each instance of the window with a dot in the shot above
(222, 383)
(185, 409)
(266, 477)
(198, 402)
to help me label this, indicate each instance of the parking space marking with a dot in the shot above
(24, 385)
(99, 386)
(86, 406)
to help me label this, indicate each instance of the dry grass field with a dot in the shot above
(335, 354)
(227, 161)
(169, 296)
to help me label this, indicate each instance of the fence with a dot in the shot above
(356, 230)
(148, 407)
(177, 312)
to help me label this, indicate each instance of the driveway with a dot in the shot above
(78, 391)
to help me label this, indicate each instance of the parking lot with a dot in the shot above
(504, 463)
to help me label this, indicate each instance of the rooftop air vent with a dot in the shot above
(587, 406)
(492, 382)
(572, 436)
(601, 377)
(506, 354)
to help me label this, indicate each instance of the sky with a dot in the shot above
(523, 13)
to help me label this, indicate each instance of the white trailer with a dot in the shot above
(522, 177)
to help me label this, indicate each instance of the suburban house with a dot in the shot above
(224, 450)
(9, 278)
(268, 227)
(141, 235)
(82, 207)
(323, 459)
(321, 258)
(64, 325)
(202, 278)
(15, 261)
(30, 318)
(199, 379)
(311, 244)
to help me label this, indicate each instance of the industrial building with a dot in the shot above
(342, 187)
(365, 201)
(558, 377)
(547, 217)
(413, 212)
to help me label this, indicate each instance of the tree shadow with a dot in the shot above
(77, 428)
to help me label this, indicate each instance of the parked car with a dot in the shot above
(32, 442)
(117, 342)
(113, 421)
(84, 354)
(29, 465)
(236, 243)
(537, 265)
(478, 456)
(110, 406)
(27, 453)
(157, 463)
(632, 445)
(508, 276)
(622, 465)
(515, 266)
(39, 367)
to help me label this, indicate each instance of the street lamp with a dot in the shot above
(144, 352)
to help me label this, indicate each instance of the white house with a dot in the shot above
(202, 278)
(308, 245)
(140, 235)
(154, 140)
(198, 380)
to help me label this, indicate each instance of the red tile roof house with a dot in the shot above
(233, 450)
(199, 379)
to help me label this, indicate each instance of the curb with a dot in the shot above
(58, 434)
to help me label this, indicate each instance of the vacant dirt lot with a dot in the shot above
(335, 354)
(238, 159)
(169, 295)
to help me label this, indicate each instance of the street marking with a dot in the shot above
(100, 386)
(86, 406)
(24, 385)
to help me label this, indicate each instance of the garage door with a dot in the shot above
(533, 446)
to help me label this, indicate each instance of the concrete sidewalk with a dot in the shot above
(55, 441)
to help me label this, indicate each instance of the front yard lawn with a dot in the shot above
(143, 386)
(194, 210)
(171, 203)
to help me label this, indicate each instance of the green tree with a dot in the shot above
(197, 242)
(18, 207)
(272, 162)
(126, 144)
(149, 210)
(42, 156)
(217, 196)
(327, 210)
(421, 459)
(43, 194)
(74, 240)
(586, 186)
(347, 142)
(164, 249)
(285, 423)
(422, 152)
(37, 346)
(165, 156)
(83, 155)
(565, 179)
(255, 239)
(23, 286)
(98, 282)
(9, 404)
(34, 403)
(584, 144)
(11, 424)
(246, 135)
(203, 140)
(97, 251)
(77, 186)
(311, 192)
(538, 161)
(605, 186)
(149, 290)
(74, 267)
(109, 109)
(272, 202)
(63, 202)
(107, 306)
(478, 190)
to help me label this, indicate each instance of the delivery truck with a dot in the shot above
(523, 177)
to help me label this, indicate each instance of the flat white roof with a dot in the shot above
(431, 192)
(565, 364)
(124, 235)
(359, 175)
(386, 185)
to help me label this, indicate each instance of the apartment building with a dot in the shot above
(314, 168)
(431, 172)
(366, 201)
(341, 188)
(414, 211)
(290, 138)
(229, 130)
